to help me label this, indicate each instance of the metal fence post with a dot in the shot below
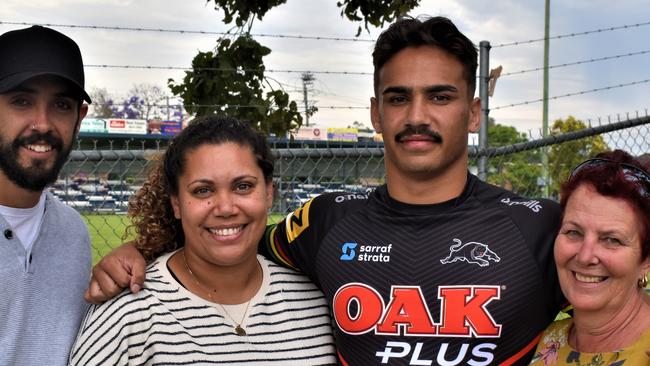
(484, 79)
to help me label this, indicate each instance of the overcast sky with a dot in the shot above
(499, 22)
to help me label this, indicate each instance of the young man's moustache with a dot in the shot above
(420, 130)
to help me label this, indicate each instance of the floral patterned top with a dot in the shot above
(554, 350)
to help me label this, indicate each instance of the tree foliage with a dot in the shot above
(242, 11)
(153, 100)
(375, 12)
(102, 103)
(518, 172)
(230, 79)
(130, 108)
(563, 157)
(144, 101)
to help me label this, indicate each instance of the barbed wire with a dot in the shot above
(573, 34)
(216, 106)
(367, 107)
(185, 31)
(145, 67)
(344, 72)
(317, 38)
(181, 31)
(572, 94)
(577, 62)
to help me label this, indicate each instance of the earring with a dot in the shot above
(643, 281)
(34, 126)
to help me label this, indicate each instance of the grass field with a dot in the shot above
(107, 231)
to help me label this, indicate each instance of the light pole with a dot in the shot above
(545, 173)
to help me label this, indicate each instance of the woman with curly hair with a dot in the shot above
(208, 297)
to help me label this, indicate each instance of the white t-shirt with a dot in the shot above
(25, 223)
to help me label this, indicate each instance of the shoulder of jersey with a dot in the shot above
(516, 204)
(333, 204)
(321, 210)
(343, 198)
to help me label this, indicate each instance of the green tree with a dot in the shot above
(563, 157)
(518, 172)
(375, 12)
(230, 79)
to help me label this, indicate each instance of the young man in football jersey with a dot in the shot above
(44, 247)
(435, 267)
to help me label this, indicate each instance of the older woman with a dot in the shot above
(213, 300)
(602, 255)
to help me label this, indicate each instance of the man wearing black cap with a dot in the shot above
(44, 245)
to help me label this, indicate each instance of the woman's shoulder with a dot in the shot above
(287, 277)
(561, 326)
(156, 289)
(119, 307)
(288, 284)
(553, 349)
(126, 319)
(552, 341)
(642, 345)
(556, 334)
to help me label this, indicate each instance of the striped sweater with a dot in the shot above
(165, 324)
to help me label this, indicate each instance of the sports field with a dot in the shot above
(107, 231)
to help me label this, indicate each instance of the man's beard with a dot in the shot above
(37, 176)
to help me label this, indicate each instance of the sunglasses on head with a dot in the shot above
(632, 173)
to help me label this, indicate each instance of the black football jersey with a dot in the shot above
(469, 281)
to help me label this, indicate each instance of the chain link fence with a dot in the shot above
(102, 174)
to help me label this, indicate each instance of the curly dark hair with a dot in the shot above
(439, 32)
(610, 180)
(150, 209)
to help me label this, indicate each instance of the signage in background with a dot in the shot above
(171, 128)
(93, 125)
(127, 126)
(165, 128)
(310, 133)
(342, 134)
(366, 134)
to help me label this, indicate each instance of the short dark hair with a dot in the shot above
(435, 32)
(610, 180)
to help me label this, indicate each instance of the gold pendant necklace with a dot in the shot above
(238, 328)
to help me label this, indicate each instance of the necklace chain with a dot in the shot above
(238, 328)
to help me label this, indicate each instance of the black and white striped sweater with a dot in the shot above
(288, 323)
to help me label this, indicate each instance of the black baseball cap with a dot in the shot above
(35, 51)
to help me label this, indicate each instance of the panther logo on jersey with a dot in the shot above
(471, 252)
